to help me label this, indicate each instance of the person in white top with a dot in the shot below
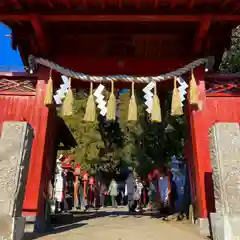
(138, 193)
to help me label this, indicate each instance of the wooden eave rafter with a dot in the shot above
(156, 4)
(120, 4)
(202, 32)
(84, 4)
(191, 4)
(17, 4)
(102, 2)
(174, 3)
(118, 18)
(225, 2)
(66, 3)
(40, 34)
(49, 3)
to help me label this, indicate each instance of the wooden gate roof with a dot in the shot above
(44, 6)
(50, 27)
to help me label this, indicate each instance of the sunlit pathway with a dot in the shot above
(124, 227)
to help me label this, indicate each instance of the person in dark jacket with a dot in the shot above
(130, 184)
(103, 190)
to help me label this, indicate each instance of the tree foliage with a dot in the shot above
(109, 146)
(231, 58)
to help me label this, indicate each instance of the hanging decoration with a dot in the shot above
(132, 109)
(182, 88)
(149, 96)
(176, 109)
(124, 78)
(100, 100)
(194, 93)
(90, 114)
(67, 107)
(156, 108)
(111, 105)
(49, 91)
(60, 93)
(152, 101)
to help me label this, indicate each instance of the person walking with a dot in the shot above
(137, 194)
(113, 192)
(130, 188)
(103, 190)
(82, 199)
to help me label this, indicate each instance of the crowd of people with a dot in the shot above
(134, 192)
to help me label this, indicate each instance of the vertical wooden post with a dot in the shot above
(34, 196)
(200, 144)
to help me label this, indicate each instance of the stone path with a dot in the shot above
(122, 226)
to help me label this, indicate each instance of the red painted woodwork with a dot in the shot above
(202, 32)
(120, 65)
(215, 109)
(38, 31)
(20, 107)
(119, 18)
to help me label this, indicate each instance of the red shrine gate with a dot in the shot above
(119, 37)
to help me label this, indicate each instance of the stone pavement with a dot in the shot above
(119, 225)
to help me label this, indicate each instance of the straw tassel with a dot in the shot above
(194, 93)
(156, 108)
(49, 91)
(132, 109)
(176, 109)
(111, 105)
(90, 114)
(67, 107)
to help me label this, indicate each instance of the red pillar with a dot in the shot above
(199, 126)
(34, 195)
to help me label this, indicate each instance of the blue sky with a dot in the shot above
(10, 60)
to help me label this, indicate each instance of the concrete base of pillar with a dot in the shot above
(225, 227)
(18, 227)
(12, 228)
(204, 228)
(37, 224)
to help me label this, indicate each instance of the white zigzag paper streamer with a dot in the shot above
(182, 88)
(60, 93)
(149, 96)
(100, 100)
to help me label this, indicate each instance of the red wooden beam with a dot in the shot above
(49, 3)
(120, 4)
(174, 3)
(156, 4)
(202, 32)
(222, 94)
(225, 2)
(191, 4)
(17, 4)
(67, 4)
(102, 2)
(118, 18)
(84, 4)
(18, 93)
(236, 8)
(137, 3)
(41, 37)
